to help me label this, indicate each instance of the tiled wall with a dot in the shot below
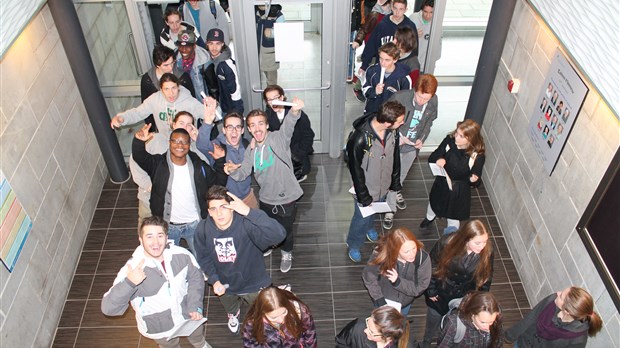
(538, 213)
(52, 160)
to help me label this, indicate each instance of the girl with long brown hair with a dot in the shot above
(399, 270)
(278, 318)
(563, 319)
(461, 154)
(462, 262)
(481, 320)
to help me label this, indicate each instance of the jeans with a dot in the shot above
(359, 227)
(285, 215)
(196, 339)
(232, 302)
(406, 161)
(185, 231)
(433, 322)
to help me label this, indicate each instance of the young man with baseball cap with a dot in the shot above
(196, 61)
(226, 72)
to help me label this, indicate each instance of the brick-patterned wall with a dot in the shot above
(51, 158)
(538, 213)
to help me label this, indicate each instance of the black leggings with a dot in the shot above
(285, 215)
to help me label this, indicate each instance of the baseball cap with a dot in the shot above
(215, 34)
(186, 37)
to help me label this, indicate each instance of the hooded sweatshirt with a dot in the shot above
(272, 165)
(163, 110)
(397, 80)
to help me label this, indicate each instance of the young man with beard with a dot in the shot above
(229, 246)
(180, 183)
(153, 267)
(229, 90)
(233, 145)
(270, 160)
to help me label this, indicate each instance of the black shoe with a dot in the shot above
(359, 95)
(426, 222)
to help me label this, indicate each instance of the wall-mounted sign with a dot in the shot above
(554, 115)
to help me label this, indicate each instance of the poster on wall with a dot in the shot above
(559, 102)
(15, 225)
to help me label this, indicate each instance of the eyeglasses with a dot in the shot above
(179, 141)
(274, 98)
(230, 128)
(372, 333)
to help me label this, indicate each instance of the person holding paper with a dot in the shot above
(398, 271)
(461, 154)
(385, 78)
(229, 246)
(303, 135)
(266, 16)
(462, 262)
(164, 285)
(374, 163)
(421, 105)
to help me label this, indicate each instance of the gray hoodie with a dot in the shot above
(162, 110)
(273, 168)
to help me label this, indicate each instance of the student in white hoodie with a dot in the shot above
(171, 99)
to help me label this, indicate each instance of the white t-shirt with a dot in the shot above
(183, 198)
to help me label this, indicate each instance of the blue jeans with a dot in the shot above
(185, 231)
(359, 227)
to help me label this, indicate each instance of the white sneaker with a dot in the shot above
(233, 322)
(268, 252)
(388, 220)
(400, 201)
(286, 262)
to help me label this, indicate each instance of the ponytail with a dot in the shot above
(596, 324)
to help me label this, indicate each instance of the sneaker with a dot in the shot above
(286, 262)
(355, 255)
(359, 95)
(388, 220)
(400, 201)
(426, 222)
(268, 252)
(233, 322)
(372, 235)
(302, 178)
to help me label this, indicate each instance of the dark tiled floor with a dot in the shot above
(322, 275)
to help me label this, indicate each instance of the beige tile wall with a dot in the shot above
(538, 213)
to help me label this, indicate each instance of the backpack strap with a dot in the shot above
(460, 330)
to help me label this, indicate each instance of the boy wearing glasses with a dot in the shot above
(229, 246)
(180, 180)
(231, 145)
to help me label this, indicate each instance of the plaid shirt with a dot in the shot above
(283, 339)
(473, 337)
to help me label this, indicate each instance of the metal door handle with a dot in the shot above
(322, 88)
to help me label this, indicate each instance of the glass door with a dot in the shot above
(305, 65)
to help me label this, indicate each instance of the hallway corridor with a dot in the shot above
(322, 274)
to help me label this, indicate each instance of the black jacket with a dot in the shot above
(374, 164)
(158, 168)
(458, 281)
(353, 336)
(303, 135)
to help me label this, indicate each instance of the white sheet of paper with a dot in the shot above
(283, 103)
(287, 35)
(186, 328)
(382, 75)
(375, 207)
(437, 170)
(394, 304)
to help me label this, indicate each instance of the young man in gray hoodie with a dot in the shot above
(269, 156)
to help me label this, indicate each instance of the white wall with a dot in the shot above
(538, 213)
(52, 160)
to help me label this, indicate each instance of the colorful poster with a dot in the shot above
(15, 225)
(554, 115)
